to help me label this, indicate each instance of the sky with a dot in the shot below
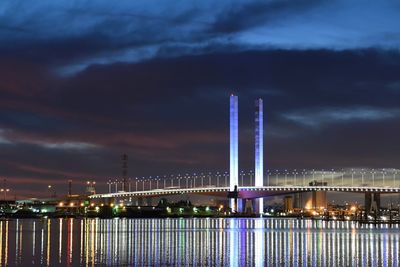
(82, 82)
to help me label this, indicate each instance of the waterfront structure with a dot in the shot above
(259, 153)
(309, 188)
(288, 204)
(234, 148)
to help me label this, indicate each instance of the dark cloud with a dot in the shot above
(254, 14)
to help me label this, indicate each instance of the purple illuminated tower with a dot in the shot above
(259, 152)
(234, 148)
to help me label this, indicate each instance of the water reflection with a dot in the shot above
(196, 242)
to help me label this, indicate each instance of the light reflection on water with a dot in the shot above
(196, 242)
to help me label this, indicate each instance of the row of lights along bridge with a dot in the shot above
(360, 177)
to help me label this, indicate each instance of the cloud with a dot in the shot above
(253, 14)
(103, 33)
(3, 138)
(17, 137)
(318, 118)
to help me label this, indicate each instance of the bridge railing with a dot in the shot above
(347, 177)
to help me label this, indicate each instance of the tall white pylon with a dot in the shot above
(234, 147)
(259, 151)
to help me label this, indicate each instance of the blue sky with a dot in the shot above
(83, 33)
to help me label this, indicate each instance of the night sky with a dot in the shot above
(82, 82)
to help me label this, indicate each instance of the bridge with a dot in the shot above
(257, 184)
(279, 183)
(251, 192)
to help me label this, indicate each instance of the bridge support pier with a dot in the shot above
(249, 206)
(372, 204)
(258, 205)
(237, 204)
(241, 205)
(139, 201)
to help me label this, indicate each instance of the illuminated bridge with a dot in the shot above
(257, 184)
(279, 183)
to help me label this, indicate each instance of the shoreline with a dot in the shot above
(300, 218)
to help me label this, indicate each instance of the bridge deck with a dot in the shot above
(247, 191)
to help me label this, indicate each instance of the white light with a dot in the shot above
(234, 148)
(259, 151)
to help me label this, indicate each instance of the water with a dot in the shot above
(195, 242)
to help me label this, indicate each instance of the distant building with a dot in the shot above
(314, 200)
(288, 204)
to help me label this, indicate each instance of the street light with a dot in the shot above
(52, 191)
(5, 190)
(373, 177)
(150, 181)
(109, 186)
(383, 177)
(285, 177)
(362, 177)
(352, 177)
(342, 177)
(251, 177)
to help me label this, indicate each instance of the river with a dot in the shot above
(196, 242)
